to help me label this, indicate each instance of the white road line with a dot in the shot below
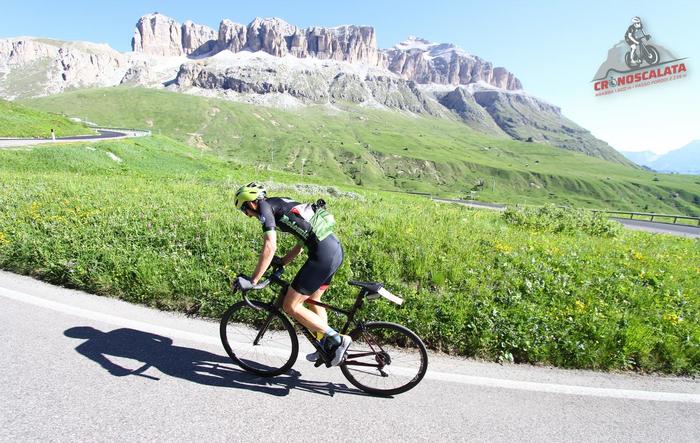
(553, 388)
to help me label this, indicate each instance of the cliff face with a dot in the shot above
(426, 62)
(414, 59)
(33, 67)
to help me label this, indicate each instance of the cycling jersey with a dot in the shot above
(325, 254)
(292, 217)
(633, 35)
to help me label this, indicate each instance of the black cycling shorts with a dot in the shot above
(319, 268)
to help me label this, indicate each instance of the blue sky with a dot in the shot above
(553, 47)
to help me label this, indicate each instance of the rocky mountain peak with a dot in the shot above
(157, 34)
(423, 61)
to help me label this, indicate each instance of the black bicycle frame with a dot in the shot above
(278, 301)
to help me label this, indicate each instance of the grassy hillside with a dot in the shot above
(525, 287)
(20, 121)
(388, 150)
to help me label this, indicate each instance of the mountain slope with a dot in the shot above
(380, 149)
(19, 121)
(270, 61)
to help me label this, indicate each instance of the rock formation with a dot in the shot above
(414, 59)
(198, 38)
(426, 62)
(157, 34)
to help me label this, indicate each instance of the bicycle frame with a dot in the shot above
(278, 301)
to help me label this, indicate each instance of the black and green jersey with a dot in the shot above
(296, 218)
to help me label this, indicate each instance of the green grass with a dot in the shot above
(385, 150)
(159, 228)
(19, 121)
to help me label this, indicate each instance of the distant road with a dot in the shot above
(660, 228)
(105, 134)
(78, 367)
(637, 225)
(473, 204)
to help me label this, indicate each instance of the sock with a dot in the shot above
(332, 337)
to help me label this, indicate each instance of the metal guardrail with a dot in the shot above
(651, 215)
(133, 130)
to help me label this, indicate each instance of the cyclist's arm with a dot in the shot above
(292, 254)
(266, 255)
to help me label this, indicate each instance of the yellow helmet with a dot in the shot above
(248, 193)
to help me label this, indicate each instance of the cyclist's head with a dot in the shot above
(637, 22)
(247, 198)
(84, 332)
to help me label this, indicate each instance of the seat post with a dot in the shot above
(359, 301)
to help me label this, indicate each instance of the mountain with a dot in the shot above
(642, 158)
(271, 62)
(685, 160)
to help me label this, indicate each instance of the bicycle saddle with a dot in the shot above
(368, 285)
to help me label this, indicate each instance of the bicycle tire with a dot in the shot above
(240, 326)
(383, 344)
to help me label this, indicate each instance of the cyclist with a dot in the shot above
(325, 254)
(634, 35)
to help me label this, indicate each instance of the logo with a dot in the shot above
(635, 63)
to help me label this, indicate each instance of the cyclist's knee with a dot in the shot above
(292, 301)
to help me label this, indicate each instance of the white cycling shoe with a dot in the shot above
(340, 351)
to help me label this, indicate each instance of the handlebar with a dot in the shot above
(273, 277)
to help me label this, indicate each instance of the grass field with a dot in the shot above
(348, 145)
(159, 228)
(22, 122)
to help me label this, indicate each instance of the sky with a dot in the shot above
(553, 47)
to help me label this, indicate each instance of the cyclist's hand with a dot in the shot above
(648, 36)
(243, 283)
(277, 262)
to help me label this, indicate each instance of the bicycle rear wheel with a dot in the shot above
(260, 341)
(385, 359)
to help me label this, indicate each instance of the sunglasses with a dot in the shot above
(245, 207)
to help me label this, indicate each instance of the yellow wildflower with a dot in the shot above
(580, 306)
(503, 247)
(3, 239)
(637, 255)
(671, 318)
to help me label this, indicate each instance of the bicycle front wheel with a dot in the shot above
(385, 358)
(260, 341)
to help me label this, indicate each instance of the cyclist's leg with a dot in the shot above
(316, 296)
(294, 307)
(312, 280)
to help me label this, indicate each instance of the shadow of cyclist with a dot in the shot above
(186, 363)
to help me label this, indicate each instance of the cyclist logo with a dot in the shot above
(639, 52)
(633, 63)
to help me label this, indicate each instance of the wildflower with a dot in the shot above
(502, 247)
(580, 306)
(3, 239)
(637, 255)
(671, 317)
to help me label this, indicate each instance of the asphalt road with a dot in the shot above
(104, 135)
(638, 225)
(77, 367)
(660, 228)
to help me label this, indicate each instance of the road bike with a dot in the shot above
(646, 53)
(384, 358)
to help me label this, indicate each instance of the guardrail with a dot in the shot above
(651, 215)
(134, 130)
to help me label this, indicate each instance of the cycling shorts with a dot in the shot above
(324, 260)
